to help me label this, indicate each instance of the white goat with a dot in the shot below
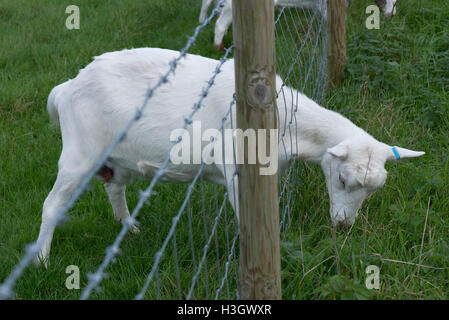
(94, 106)
(225, 18)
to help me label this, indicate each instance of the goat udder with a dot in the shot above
(106, 173)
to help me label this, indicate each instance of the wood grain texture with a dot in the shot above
(336, 46)
(253, 31)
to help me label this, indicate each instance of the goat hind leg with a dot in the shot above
(117, 198)
(65, 185)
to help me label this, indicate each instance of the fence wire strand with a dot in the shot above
(32, 250)
(112, 251)
(301, 62)
(301, 39)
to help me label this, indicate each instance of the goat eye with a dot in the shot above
(341, 180)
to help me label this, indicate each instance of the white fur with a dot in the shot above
(93, 107)
(390, 8)
(204, 7)
(225, 18)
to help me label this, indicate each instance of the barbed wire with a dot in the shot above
(286, 194)
(32, 250)
(113, 250)
(290, 56)
(175, 221)
(186, 202)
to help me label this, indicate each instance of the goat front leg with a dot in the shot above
(222, 25)
(231, 183)
(204, 6)
(233, 194)
(117, 198)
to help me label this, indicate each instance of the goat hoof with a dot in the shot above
(135, 230)
(343, 226)
(220, 47)
(38, 261)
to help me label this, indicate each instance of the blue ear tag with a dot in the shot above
(396, 154)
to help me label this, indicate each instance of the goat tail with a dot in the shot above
(54, 99)
(52, 107)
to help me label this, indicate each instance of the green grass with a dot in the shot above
(396, 87)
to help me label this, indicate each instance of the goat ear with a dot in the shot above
(339, 151)
(396, 153)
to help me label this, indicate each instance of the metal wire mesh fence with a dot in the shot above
(301, 38)
(198, 258)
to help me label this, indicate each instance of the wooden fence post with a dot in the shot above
(253, 31)
(336, 45)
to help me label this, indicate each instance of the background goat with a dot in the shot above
(225, 18)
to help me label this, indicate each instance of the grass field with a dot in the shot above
(396, 88)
